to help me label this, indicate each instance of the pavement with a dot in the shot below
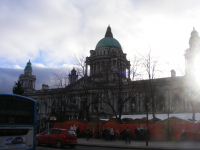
(152, 144)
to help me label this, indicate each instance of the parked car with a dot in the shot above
(17, 140)
(58, 137)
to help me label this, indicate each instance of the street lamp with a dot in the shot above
(168, 132)
(97, 111)
(38, 117)
(62, 111)
(147, 135)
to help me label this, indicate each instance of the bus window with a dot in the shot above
(17, 122)
(16, 111)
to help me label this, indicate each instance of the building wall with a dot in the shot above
(172, 94)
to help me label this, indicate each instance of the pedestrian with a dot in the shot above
(102, 133)
(124, 134)
(107, 134)
(78, 132)
(128, 135)
(112, 133)
(41, 128)
(88, 133)
(44, 128)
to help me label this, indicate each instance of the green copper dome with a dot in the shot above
(28, 66)
(108, 41)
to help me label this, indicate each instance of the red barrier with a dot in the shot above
(190, 129)
(156, 131)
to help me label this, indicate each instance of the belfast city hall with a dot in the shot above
(106, 89)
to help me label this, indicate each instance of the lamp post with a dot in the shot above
(97, 111)
(38, 118)
(147, 135)
(62, 111)
(37, 107)
(97, 131)
(168, 132)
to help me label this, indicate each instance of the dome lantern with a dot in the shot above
(109, 32)
(108, 41)
(28, 66)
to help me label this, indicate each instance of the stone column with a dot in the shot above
(86, 70)
(96, 67)
(127, 108)
(92, 68)
(79, 102)
(90, 98)
(137, 103)
(182, 102)
(170, 100)
(101, 66)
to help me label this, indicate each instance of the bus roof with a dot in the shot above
(15, 95)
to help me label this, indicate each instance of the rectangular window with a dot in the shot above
(16, 111)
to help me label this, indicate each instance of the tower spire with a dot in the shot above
(109, 32)
(194, 39)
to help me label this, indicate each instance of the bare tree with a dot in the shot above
(136, 69)
(80, 62)
(151, 87)
(117, 90)
(59, 80)
(86, 86)
(55, 102)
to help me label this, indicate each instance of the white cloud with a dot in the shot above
(16, 67)
(50, 32)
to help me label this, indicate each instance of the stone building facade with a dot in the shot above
(106, 89)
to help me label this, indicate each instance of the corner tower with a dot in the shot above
(108, 57)
(192, 52)
(27, 80)
(73, 77)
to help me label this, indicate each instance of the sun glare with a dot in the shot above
(197, 69)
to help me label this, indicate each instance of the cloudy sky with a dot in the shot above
(50, 33)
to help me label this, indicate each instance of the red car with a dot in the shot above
(58, 137)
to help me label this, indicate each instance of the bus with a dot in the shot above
(18, 122)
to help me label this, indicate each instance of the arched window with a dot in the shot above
(160, 103)
(176, 102)
(133, 104)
